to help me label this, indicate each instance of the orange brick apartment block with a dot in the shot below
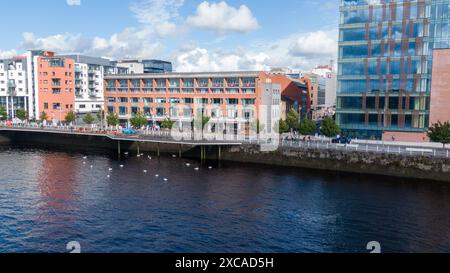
(55, 85)
(227, 95)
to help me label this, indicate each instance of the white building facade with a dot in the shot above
(14, 93)
(89, 80)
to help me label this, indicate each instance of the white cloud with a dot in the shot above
(7, 54)
(130, 43)
(197, 59)
(158, 15)
(315, 44)
(222, 18)
(73, 2)
(302, 51)
(66, 42)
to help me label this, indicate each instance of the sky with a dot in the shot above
(196, 35)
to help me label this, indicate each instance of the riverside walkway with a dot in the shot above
(152, 136)
(162, 137)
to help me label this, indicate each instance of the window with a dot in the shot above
(45, 105)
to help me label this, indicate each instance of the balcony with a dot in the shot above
(161, 90)
(188, 91)
(147, 89)
(123, 89)
(248, 91)
(232, 91)
(233, 84)
(217, 91)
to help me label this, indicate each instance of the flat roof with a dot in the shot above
(229, 74)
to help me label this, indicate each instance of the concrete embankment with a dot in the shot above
(90, 142)
(418, 167)
(4, 140)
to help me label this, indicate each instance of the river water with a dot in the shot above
(49, 198)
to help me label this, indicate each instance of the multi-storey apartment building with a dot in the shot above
(385, 66)
(89, 73)
(13, 85)
(55, 86)
(232, 98)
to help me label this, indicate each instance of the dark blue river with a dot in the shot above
(49, 198)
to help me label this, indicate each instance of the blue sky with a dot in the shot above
(196, 35)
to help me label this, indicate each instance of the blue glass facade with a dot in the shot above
(385, 61)
(157, 66)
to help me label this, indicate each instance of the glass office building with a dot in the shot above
(157, 66)
(385, 64)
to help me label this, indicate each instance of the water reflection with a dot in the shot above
(232, 208)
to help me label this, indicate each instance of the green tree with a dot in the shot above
(112, 119)
(43, 116)
(440, 132)
(293, 119)
(70, 117)
(3, 113)
(281, 126)
(167, 124)
(22, 114)
(257, 126)
(200, 123)
(101, 117)
(88, 119)
(307, 127)
(330, 128)
(138, 120)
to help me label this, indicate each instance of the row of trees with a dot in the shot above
(307, 127)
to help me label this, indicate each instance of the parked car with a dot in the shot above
(342, 140)
(129, 132)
